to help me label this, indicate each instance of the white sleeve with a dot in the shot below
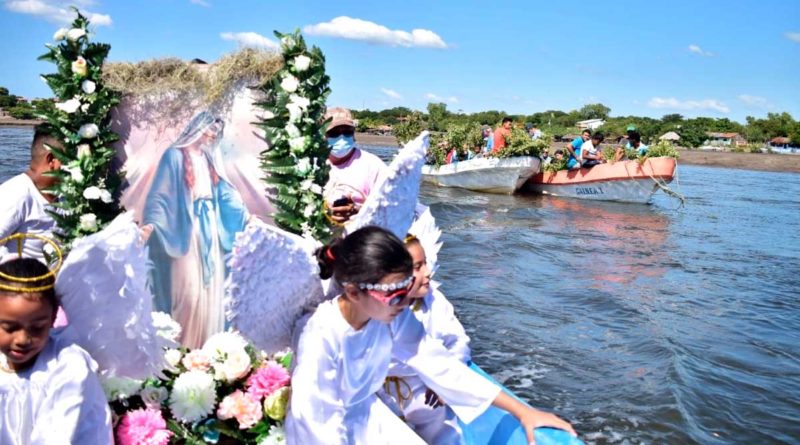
(463, 390)
(12, 213)
(76, 410)
(316, 412)
(447, 327)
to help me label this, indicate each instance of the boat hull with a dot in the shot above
(625, 181)
(492, 175)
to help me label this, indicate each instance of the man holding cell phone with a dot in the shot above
(354, 172)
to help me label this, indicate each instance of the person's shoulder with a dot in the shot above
(372, 158)
(18, 182)
(71, 355)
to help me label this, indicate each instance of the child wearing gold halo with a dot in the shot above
(49, 392)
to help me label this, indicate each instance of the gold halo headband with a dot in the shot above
(19, 237)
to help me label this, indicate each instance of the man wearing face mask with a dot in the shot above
(354, 172)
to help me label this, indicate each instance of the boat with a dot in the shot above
(624, 181)
(492, 175)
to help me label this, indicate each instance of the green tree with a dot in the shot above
(22, 111)
(674, 118)
(437, 116)
(594, 111)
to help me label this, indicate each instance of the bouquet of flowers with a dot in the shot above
(225, 392)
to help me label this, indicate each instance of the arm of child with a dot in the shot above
(530, 418)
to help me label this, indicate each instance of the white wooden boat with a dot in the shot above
(625, 181)
(492, 175)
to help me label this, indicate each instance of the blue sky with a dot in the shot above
(713, 58)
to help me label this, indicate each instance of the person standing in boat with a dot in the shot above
(354, 172)
(574, 149)
(502, 133)
(191, 216)
(25, 205)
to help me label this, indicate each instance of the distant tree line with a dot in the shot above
(20, 109)
(560, 123)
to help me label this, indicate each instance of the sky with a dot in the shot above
(649, 58)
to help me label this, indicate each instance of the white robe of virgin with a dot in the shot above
(58, 400)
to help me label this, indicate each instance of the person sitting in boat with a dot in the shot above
(452, 156)
(574, 149)
(488, 139)
(636, 143)
(590, 152)
(558, 155)
(545, 157)
(354, 172)
(502, 133)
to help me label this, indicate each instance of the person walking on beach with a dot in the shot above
(502, 133)
(26, 198)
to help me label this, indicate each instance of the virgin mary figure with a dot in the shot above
(190, 219)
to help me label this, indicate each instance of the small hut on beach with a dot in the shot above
(670, 136)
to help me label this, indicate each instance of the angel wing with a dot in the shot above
(428, 233)
(391, 205)
(273, 277)
(103, 290)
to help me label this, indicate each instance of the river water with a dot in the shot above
(639, 324)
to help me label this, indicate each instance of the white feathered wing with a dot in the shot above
(103, 289)
(391, 204)
(428, 234)
(273, 278)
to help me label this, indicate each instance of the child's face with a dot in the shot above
(374, 308)
(25, 323)
(422, 275)
(559, 156)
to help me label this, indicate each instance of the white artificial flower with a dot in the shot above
(173, 358)
(292, 131)
(69, 106)
(193, 396)
(302, 62)
(303, 166)
(74, 172)
(84, 150)
(309, 184)
(290, 84)
(219, 345)
(236, 365)
(309, 210)
(85, 107)
(92, 192)
(88, 86)
(275, 436)
(300, 101)
(60, 34)
(105, 196)
(166, 327)
(88, 222)
(154, 396)
(297, 144)
(295, 112)
(75, 34)
(88, 131)
(79, 67)
(267, 115)
(117, 388)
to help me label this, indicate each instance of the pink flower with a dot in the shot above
(243, 407)
(270, 377)
(143, 427)
(197, 360)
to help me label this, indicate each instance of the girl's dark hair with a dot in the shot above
(29, 268)
(364, 256)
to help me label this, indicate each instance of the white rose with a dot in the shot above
(311, 186)
(75, 34)
(88, 86)
(79, 67)
(268, 115)
(309, 210)
(173, 357)
(297, 144)
(88, 131)
(292, 131)
(300, 101)
(290, 84)
(154, 396)
(75, 173)
(303, 166)
(89, 223)
(60, 34)
(105, 196)
(236, 365)
(302, 62)
(85, 107)
(295, 113)
(69, 106)
(84, 150)
(91, 192)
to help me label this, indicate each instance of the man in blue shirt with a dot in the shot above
(635, 139)
(574, 149)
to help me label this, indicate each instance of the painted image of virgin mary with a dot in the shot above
(190, 218)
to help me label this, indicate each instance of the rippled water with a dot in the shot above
(640, 324)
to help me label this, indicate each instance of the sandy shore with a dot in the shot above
(747, 161)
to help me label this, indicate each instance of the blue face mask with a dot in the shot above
(341, 145)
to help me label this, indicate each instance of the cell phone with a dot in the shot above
(341, 202)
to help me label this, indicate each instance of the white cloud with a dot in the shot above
(249, 39)
(675, 104)
(201, 3)
(793, 36)
(391, 93)
(344, 27)
(437, 98)
(755, 101)
(56, 11)
(697, 50)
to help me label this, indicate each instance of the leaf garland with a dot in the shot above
(292, 119)
(88, 188)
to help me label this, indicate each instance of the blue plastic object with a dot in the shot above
(497, 427)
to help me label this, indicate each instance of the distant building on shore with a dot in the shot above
(724, 139)
(590, 124)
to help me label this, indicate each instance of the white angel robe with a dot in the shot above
(338, 371)
(423, 361)
(438, 425)
(58, 400)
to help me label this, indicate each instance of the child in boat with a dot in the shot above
(49, 392)
(590, 152)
